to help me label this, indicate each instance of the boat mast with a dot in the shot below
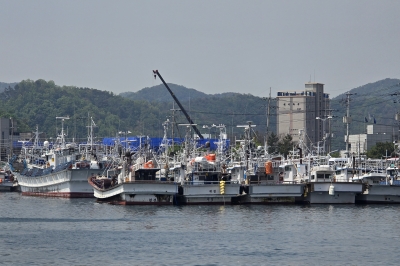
(36, 141)
(62, 135)
(347, 121)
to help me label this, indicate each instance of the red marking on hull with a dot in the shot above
(59, 194)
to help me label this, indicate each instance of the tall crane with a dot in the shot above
(156, 73)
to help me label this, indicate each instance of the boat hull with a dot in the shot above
(138, 193)
(68, 183)
(380, 194)
(344, 193)
(210, 194)
(274, 193)
(9, 186)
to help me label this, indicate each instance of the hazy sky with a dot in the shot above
(211, 46)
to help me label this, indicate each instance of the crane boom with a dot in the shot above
(179, 104)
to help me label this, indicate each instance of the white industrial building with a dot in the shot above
(360, 143)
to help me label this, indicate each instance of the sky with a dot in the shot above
(213, 46)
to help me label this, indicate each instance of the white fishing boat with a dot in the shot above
(273, 182)
(135, 182)
(8, 182)
(266, 179)
(206, 180)
(324, 188)
(59, 170)
(380, 187)
(206, 183)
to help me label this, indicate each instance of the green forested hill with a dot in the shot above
(39, 102)
(160, 94)
(374, 101)
(6, 85)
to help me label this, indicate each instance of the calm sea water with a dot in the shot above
(53, 231)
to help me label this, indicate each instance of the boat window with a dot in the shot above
(312, 177)
(391, 172)
(320, 176)
(287, 168)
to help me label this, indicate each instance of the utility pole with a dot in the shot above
(397, 118)
(11, 137)
(347, 121)
(268, 116)
(329, 129)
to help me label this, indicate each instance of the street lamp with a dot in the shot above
(323, 127)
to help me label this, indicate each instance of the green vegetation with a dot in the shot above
(32, 103)
(381, 150)
(377, 102)
(335, 154)
(281, 145)
(273, 143)
(39, 102)
(285, 145)
(6, 85)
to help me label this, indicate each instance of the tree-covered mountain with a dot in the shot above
(230, 109)
(39, 102)
(159, 93)
(4, 85)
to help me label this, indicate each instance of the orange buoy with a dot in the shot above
(210, 157)
(268, 168)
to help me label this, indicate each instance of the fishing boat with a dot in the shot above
(207, 183)
(134, 182)
(324, 187)
(8, 182)
(380, 186)
(206, 180)
(267, 179)
(60, 169)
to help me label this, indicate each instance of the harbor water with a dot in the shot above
(57, 231)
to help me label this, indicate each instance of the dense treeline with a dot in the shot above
(39, 102)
